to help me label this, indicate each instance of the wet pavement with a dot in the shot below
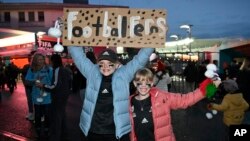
(13, 109)
(189, 125)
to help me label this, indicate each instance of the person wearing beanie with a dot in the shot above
(105, 112)
(233, 104)
(161, 76)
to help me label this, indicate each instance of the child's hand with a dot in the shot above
(217, 83)
(207, 88)
(39, 84)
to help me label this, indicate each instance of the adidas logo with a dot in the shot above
(105, 53)
(144, 120)
(150, 109)
(105, 91)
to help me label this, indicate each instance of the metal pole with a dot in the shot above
(190, 36)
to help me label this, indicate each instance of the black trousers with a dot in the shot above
(106, 137)
(40, 111)
(58, 124)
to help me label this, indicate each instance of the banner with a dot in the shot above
(114, 27)
(46, 46)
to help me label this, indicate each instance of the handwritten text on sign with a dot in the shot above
(114, 27)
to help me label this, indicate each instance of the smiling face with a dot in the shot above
(143, 87)
(143, 81)
(106, 67)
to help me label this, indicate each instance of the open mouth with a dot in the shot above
(106, 70)
(143, 89)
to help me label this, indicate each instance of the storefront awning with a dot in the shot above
(16, 43)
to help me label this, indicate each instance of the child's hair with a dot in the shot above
(34, 63)
(144, 75)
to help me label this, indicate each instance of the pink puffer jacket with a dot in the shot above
(162, 103)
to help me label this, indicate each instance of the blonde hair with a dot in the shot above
(144, 75)
(34, 63)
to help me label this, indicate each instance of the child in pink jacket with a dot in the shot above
(150, 108)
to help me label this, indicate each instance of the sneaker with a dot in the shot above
(30, 116)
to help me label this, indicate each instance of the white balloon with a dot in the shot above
(212, 67)
(44, 94)
(54, 32)
(209, 115)
(152, 57)
(58, 48)
(209, 74)
(214, 112)
(39, 99)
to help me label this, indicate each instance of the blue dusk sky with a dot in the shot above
(210, 18)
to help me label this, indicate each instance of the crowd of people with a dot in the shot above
(47, 88)
(9, 76)
(111, 109)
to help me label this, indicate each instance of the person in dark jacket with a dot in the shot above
(243, 80)
(201, 70)
(28, 90)
(190, 73)
(60, 90)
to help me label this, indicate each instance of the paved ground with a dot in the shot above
(189, 125)
(13, 109)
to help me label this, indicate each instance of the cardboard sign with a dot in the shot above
(114, 27)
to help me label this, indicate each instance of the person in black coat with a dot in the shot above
(60, 90)
(243, 80)
(190, 73)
